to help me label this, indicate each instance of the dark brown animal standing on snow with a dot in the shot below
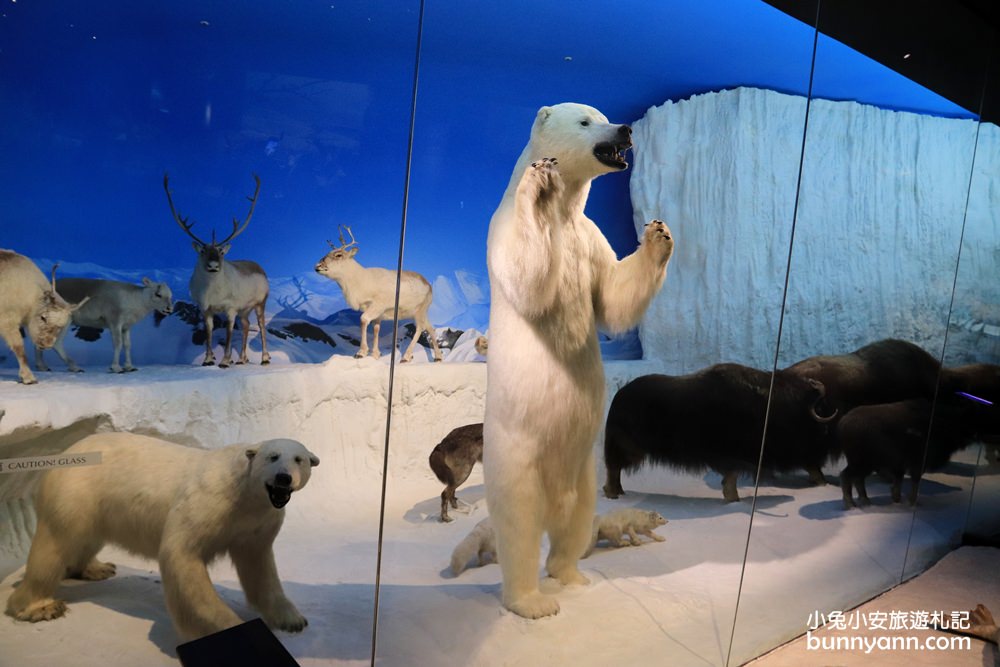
(881, 372)
(890, 438)
(714, 419)
(452, 461)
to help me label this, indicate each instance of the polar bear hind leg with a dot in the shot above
(48, 563)
(517, 517)
(570, 535)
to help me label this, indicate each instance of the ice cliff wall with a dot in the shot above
(876, 236)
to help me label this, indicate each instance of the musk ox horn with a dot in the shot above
(818, 386)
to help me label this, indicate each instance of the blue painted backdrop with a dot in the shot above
(99, 99)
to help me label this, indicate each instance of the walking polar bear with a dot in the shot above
(554, 279)
(181, 505)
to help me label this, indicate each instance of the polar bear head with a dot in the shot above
(585, 144)
(280, 466)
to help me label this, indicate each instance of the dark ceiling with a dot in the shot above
(949, 47)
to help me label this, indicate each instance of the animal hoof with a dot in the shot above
(265, 362)
(208, 362)
(446, 519)
(359, 355)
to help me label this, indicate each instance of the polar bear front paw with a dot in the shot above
(533, 605)
(541, 184)
(658, 238)
(286, 617)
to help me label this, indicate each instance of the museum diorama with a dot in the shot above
(519, 333)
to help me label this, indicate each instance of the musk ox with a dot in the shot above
(891, 438)
(980, 381)
(714, 419)
(881, 372)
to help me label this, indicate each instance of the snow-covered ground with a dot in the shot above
(672, 601)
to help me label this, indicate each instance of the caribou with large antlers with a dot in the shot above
(372, 291)
(222, 286)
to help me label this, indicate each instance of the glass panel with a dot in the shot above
(714, 159)
(99, 101)
(881, 203)
(959, 489)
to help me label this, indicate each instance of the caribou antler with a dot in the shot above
(343, 245)
(183, 222)
(237, 229)
(54, 267)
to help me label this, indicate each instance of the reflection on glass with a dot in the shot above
(877, 236)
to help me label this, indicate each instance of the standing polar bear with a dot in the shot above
(181, 505)
(554, 279)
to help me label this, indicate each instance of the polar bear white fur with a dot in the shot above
(180, 505)
(554, 279)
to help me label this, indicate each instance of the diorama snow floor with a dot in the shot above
(669, 602)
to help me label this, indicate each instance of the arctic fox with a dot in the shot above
(481, 542)
(632, 522)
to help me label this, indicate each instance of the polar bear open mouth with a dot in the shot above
(612, 154)
(279, 495)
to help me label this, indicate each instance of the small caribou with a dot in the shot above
(221, 286)
(372, 291)
(31, 301)
(111, 305)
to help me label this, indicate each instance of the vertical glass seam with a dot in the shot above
(395, 330)
(947, 328)
(777, 346)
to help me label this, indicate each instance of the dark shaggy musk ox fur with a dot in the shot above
(714, 419)
(881, 372)
(891, 439)
(452, 461)
(981, 381)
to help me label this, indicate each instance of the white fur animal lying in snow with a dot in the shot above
(181, 505)
(481, 543)
(614, 526)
